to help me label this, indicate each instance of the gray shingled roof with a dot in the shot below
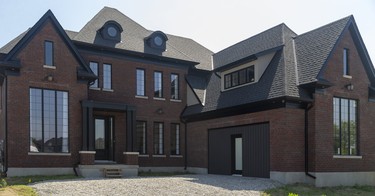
(268, 39)
(297, 62)
(10, 45)
(314, 47)
(133, 36)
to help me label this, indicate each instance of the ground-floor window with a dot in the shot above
(141, 137)
(175, 139)
(158, 138)
(48, 121)
(345, 126)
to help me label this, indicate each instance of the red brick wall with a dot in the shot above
(33, 74)
(323, 112)
(124, 91)
(286, 137)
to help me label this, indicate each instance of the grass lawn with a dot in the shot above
(18, 185)
(303, 189)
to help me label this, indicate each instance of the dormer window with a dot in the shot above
(157, 40)
(111, 30)
(239, 77)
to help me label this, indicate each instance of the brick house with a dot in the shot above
(294, 108)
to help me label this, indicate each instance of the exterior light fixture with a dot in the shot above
(349, 86)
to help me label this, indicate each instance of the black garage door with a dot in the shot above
(223, 145)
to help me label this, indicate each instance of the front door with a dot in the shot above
(237, 154)
(104, 138)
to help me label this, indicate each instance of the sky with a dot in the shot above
(216, 24)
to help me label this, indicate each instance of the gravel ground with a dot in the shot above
(175, 185)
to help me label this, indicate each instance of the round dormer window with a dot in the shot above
(112, 31)
(158, 41)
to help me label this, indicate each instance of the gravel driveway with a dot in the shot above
(175, 185)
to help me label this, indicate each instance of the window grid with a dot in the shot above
(345, 126)
(158, 84)
(141, 82)
(175, 86)
(95, 69)
(141, 137)
(239, 77)
(175, 139)
(48, 53)
(107, 76)
(158, 138)
(48, 121)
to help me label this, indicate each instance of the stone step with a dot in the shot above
(112, 173)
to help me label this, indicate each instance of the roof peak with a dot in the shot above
(348, 18)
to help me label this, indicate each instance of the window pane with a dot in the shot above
(227, 81)
(345, 126)
(107, 76)
(175, 139)
(242, 76)
(48, 121)
(94, 68)
(158, 84)
(48, 53)
(141, 137)
(235, 79)
(345, 61)
(158, 138)
(250, 74)
(174, 86)
(141, 82)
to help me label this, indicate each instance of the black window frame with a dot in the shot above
(173, 87)
(46, 54)
(156, 138)
(346, 63)
(110, 75)
(339, 136)
(43, 120)
(144, 82)
(161, 85)
(97, 74)
(144, 137)
(234, 79)
(175, 148)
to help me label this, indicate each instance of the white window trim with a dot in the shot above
(159, 98)
(346, 157)
(95, 88)
(49, 66)
(159, 156)
(141, 97)
(107, 90)
(176, 100)
(49, 154)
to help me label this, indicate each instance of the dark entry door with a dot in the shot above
(103, 138)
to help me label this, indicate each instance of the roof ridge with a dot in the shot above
(326, 25)
(231, 46)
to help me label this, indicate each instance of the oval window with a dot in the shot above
(158, 41)
(112, 31)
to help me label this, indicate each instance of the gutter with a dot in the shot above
(307, 109)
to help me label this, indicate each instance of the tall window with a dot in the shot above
(158, 84)
(174, 86)
(175, 139)
(95, 68)
(239, 77)
(141, 82)
(346, 61)
(48, 53)
(48, 121)
(158, 138)
(345, 126)
(107, 76)
(141, 137)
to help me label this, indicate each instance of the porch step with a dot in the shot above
(112, 173)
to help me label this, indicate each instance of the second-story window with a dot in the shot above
(107, 76)
(158, 84)
(95, 68)
(239, 77)
(174, 86)
(141, 82)
(346, 61)
(48, 53)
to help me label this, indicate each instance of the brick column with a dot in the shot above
(87, 157)
(130, 158)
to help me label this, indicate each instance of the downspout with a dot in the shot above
(185, 152)
(5, 143)
(308, 107)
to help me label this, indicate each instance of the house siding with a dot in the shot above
(322, 127)
(33, 74)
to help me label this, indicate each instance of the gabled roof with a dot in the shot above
(21, 41)
(133, 35)
(10, 45)
(314, 48)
